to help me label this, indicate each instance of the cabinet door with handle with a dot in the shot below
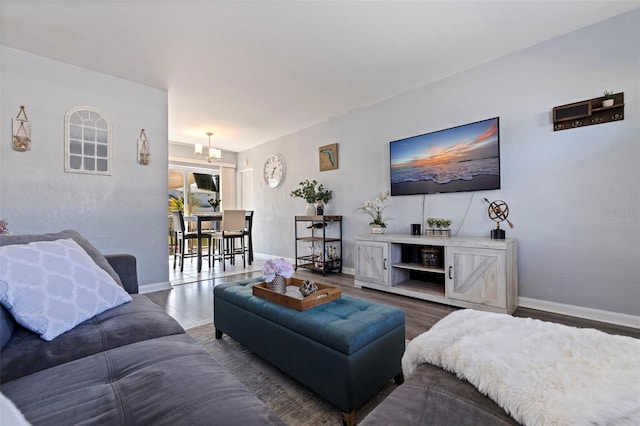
(476, 275)
(372, 259)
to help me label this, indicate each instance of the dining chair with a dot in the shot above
(248, 233)
(182, 237)
(231, 231)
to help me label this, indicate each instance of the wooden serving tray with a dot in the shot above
(325, 293)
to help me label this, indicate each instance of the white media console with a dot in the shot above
(477, 273)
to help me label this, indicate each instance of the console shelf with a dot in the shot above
(468, 272)
(321, 256)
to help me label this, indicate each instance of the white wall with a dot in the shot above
(122, 213)
(574, 195)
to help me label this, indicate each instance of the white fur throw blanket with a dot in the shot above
(540, 373)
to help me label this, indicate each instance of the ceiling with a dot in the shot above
(252, 71)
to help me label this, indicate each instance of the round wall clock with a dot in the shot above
(273, 171)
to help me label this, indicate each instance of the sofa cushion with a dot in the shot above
(433, 396)
(52, 286)
(165, 381)
(141, 319)
(94, 253)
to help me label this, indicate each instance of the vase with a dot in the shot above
(319, 209)
(279, 284)
(310, 210)
(377, 229)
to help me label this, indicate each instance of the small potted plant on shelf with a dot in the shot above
(608, 98)
(446, 223)
(374, 209)
(323, 196)
(312, 193)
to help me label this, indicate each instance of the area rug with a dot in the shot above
(291, 401)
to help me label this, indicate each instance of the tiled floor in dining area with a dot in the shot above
(190, 300)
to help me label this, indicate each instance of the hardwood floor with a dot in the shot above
(190, 301)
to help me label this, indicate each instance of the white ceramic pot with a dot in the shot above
(607, 103)
(377, 229)
(310, 210)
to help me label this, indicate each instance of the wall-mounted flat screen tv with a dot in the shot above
(463, 158)
(206, 182)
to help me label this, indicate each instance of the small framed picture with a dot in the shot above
(328, 157)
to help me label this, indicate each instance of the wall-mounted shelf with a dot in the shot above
(587, 113)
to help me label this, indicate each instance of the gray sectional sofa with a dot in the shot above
(132, 364)
(434, 396)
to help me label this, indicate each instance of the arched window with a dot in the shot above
(87, 141)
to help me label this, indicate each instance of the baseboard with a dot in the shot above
(581, 312)
(151, 287)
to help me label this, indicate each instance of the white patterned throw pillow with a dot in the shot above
(51, 286)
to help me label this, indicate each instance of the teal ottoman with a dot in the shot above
(345, 350)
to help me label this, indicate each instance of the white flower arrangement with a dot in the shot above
(373, 208)
(273, 267)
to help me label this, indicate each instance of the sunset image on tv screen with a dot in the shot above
(464, 158)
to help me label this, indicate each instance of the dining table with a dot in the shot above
(217, 218)
(199, 219)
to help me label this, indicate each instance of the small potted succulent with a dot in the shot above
(608, 98)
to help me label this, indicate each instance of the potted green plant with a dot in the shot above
(608, 98)
(431, 226)
(176, 204)
(323, 196)
(312, 193)
(446, 223)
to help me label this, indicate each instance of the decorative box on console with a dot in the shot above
(325, 293)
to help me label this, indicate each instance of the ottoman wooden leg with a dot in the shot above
(218, 334)
(399, 378)
(349, 419)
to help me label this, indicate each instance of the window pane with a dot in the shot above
(75, 131)
(75, 147)
(89, 149)
(102, 165)
(102, 124)
(75, 162)
(75, 118)
(89, 163)
(102, 151)
(102, 136)
(89, 134)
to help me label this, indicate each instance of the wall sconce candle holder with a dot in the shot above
(21, 132)
(144, 150)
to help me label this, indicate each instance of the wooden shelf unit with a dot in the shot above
(318, 237)
(588, 113)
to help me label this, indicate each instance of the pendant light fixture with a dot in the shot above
(213, 154)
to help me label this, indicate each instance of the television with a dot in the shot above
(459, 159)
(205, 181)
